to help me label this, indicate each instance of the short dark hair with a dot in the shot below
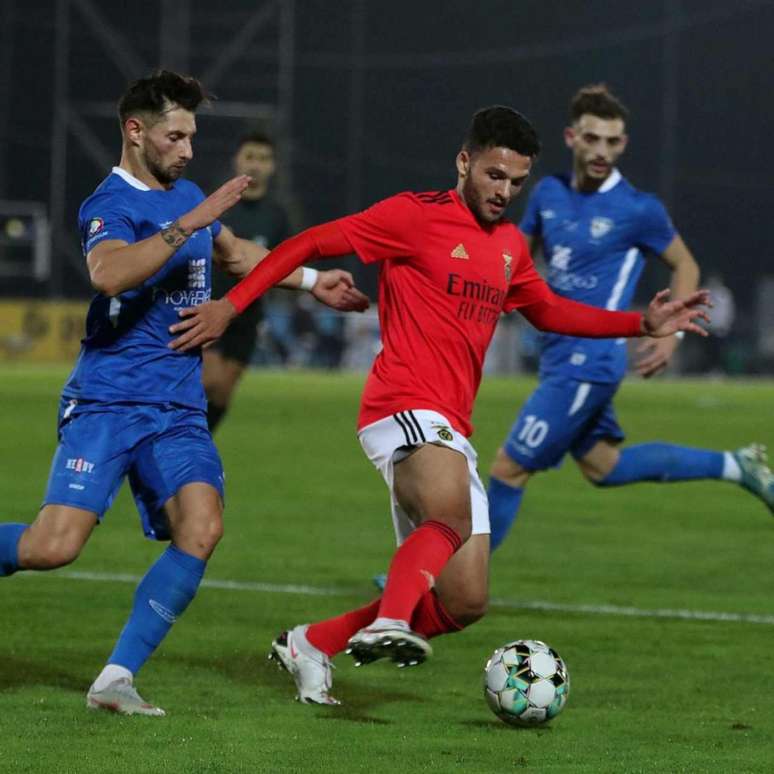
(499, 126)
(160, 92)
(256, 137)
(597, 100)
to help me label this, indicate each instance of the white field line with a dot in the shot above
(515, 604)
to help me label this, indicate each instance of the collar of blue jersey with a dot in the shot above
(612, 181)
(131, 179)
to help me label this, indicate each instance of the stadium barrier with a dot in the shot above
(41, 331)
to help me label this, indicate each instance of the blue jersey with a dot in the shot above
(124, 356)
(594, 245)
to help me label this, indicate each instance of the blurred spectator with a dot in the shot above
(716, 346)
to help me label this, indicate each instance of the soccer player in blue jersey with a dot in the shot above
(133, 406)
(594, 228)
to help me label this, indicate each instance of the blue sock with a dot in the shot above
(9, 543)
(664, 462)
(504, 502)
(163, 594)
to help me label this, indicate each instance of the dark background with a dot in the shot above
(370, 98)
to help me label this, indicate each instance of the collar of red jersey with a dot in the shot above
(131, 179)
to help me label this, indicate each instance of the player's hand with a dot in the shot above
(215, 204)
(655, 355)
(665, 317)
(336, 288)
(201, 325)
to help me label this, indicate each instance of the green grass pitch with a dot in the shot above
(650, 693)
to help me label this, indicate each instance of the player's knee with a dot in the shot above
(199, 537)
(595, 473)
(507, 470)
(209, 534)
(594, 478)
(468, 609)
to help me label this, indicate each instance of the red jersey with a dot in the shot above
(444, 281)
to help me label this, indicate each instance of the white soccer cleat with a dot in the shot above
(756, 475)
(121, 696)
(400, 645)
(310, 668)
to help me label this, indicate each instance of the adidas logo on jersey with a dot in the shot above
(460, 252)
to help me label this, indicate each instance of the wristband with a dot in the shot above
(680, 335)
(308, 278)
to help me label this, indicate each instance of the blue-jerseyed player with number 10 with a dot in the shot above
(132, 406)
(594, 227)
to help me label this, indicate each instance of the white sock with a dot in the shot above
(731, 469)
(389, 623)
(110, 674)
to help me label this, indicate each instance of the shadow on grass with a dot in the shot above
(497, 726)
(359, 696)
(18, 673)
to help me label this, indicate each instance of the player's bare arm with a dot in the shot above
(655, 354)
(116, 266)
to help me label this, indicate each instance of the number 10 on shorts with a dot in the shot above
(534, 431)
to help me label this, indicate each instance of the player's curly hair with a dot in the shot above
(160, 92)
(499, 126)
(597, 100)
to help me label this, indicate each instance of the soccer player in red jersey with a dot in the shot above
(450, 265)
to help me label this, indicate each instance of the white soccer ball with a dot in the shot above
(526, 683)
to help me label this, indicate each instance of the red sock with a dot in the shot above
(415, 566)
(431, 618)
(331, 636)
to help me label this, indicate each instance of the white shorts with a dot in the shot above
(391, 440)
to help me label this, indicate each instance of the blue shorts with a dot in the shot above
(562, 415)
(160, 447)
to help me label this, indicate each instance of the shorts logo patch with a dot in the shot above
(444, 432)
(95, 226)
(79, 465)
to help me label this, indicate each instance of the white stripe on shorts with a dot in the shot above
(580, 398)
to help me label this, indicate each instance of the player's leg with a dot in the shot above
(86, 471)
(164, 593)
(432, 512)
(458, 599)
(225, 362)
(605, 463)
(220, 377)
(507, 482)
(553, 415)
(305, 651)
(53, 540)
(177, 482)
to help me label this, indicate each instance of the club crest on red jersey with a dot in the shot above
(508, 260)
